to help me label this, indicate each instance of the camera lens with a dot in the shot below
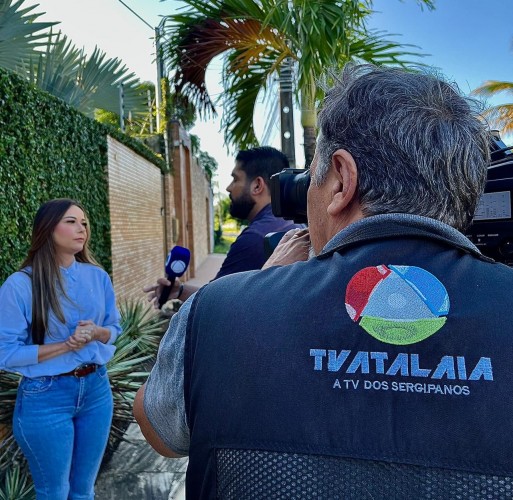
(289, 193)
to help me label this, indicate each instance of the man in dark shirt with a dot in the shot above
(250, 196)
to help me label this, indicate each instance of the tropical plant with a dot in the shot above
(90, 84)
(86, 83)
(136, 348)
(208, 163)
(257, 36)
(178, 108)
(500, 115)
(15, 484)
(9, 450)
(136, 124)
(53, 63)
(20, 34)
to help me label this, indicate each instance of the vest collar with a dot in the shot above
(386, 226)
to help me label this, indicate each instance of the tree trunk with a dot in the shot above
(309, 144)
(309, 122)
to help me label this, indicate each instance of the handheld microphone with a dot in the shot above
(177, 263)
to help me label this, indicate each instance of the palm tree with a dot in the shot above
(501, 115)
(257, 36)
(53, 63)
(20, 34)
(86, 83)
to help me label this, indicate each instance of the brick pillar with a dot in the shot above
(179, 154)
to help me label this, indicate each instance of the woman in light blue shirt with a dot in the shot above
(58, 323)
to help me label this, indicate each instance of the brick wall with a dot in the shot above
(151, 212)
(193, 199)
(202, 216)
(137, 221)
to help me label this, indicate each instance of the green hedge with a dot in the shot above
(50, 150)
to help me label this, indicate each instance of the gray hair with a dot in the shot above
(419, 144)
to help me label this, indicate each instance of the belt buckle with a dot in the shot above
(78, 372)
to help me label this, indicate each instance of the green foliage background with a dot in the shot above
(50, 150)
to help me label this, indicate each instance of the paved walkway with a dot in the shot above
(208, 269)
(135, 470)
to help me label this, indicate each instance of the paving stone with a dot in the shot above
(137, 471)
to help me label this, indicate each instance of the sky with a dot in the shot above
(469, 41)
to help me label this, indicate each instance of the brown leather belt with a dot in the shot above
(82, 370)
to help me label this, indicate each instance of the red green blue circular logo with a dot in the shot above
(398, 305)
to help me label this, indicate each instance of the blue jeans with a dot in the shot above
(62, 424)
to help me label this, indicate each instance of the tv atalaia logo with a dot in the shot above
(398, 305)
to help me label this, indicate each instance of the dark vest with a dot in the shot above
(383, 369)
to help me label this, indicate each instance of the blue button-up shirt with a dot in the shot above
(91, 297)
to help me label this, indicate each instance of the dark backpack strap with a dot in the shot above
(393, 229)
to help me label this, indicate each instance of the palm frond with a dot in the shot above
(501, 117)
(99, 79)
(256, 36)
(85, 83)
(194, 42)
(56, 68)
(240, 103)
(20, 33)
(493, 87)
(375, 47)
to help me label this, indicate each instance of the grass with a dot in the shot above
(224, 244)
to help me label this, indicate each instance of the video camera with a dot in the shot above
(491, 229)
(288, 194)
(288, 200)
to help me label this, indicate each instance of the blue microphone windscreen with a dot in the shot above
(177, 261)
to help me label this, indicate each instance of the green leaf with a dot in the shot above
(20, 33)
(255, 37)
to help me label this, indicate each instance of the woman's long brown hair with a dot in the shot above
(45, 274)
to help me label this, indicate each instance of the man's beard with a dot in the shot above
(241, 207)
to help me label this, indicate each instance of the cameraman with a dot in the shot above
(381, 366)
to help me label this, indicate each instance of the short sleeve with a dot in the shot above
(164, 402)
